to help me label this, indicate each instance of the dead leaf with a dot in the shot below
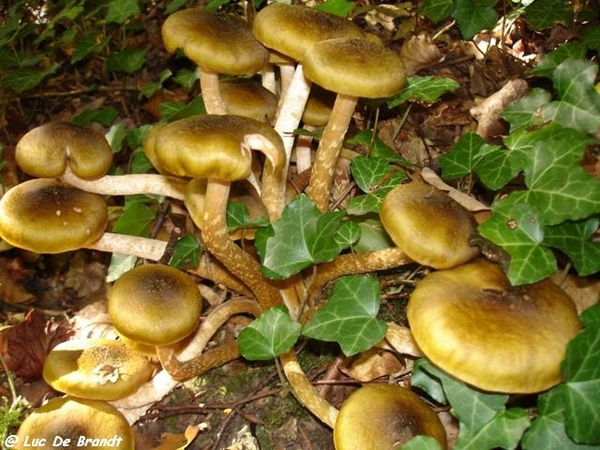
(372, 364)
(419, 52)
(26, 345)
(175, 441)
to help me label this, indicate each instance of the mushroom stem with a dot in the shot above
(217, 241)
(355, 263)
(130, 245)
(329, 149)
(204, 361)
(305, 392)
(130, 184)
(211, 92)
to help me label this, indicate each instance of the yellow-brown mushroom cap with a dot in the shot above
(380, 417)
(472, 323)
(292, 29)
(216, 41)
(356, 67)
(47, 216)
(155, 304)
(76, 420)
(48, 150)
(248, 98)
(431, 228)
(98, 369)
(209, 146)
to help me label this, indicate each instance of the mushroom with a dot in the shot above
(472, 323)
(291, 30)
(248, 98)
(44, 215)
(218, 43)
(82, 157)
(97, 369)
(218, 148)
(72, 423)
(428, 225)
(353, 68)
(384, 416)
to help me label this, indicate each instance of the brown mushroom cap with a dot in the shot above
(380, 417)
(207, 146)
(47, 216)
(155, 304)
(472, 323)
(98, 369)
(48, 150)
(248, 98)
(292, 29)
(355, 66)
(431, 228)
(215, 41)
(74, 419)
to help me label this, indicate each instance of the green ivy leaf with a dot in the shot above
(579, 105)
(128, 61)
(135, 220)
(582, 378)
(542, 14)
(549, 62)
(272, 334)
(24, 79)
(121, 10)
(91, 42)
(464, 156)
(364, 204)
(186, 252)
(503, 431)
(347, 234)
(337, 7)
(171, 111)
(574, 239)
(424, 89)
(372, 236)
(437, 10)
(421, 443)
(474, 16)
(525, 112)
(238, 217)
(518, 229)
(105, 116)
(350, 316)
(301, 237)
(368, 173)
(548, 428)
(376, 148)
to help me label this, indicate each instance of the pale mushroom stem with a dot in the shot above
(329, 150)
(217, 241)
(130, 184)
(305, 392)
(206, 360)
(211, 92)
(124, 244)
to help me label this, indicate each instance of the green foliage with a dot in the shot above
(547, 143)
(348, 318)
(186, 252)
(424, 89)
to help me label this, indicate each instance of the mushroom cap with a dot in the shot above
(472, 323)
(216, 41)
(72, 418)
(48, 150)
(208, 146)
(98, 369)
(292, 29)
(380, 417)
(155, 304)
(355, 66)
(318, 107)
(248, 98)
(431, 227)
(47, 216)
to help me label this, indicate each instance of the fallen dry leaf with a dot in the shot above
(26, 345)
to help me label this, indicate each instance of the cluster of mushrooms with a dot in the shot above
(464, 315)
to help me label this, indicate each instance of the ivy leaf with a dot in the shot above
(186, 252)
(369, 172)
(542, 14)
(135, 220)
(421, 442)
(518, 229)
(301, 237)
(171, 111)
(574, 239)
(549, 63)
(525, 112)
(272, 334)
(349, 316)
(372, 236)
(504, 431)
(338, 7)
(121, 10)
(579, 105)
(474, 15)
(464, 156)
(128, 61)
(425, 89)
(437, 10)
(582, 378)
(25, 78)
(557, 184)
(238, 217)
(548, 428)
